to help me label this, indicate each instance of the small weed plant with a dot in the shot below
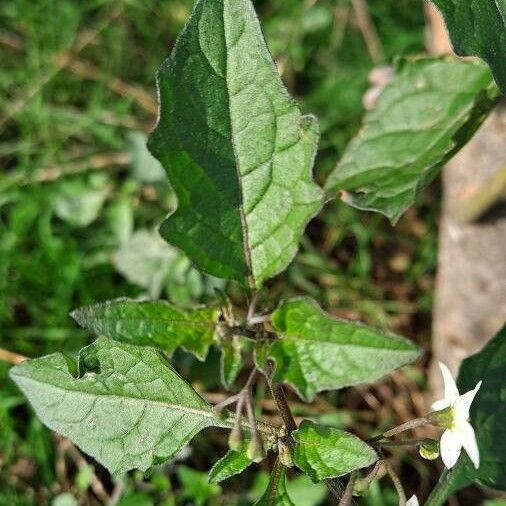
(239, 155)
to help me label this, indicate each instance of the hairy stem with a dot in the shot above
(404, 442)
(348, 493)
(412, 424)
(365, 482)
(279, 396)
(396, 481)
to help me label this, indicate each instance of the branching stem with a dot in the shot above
(365, 482)
(279, 396)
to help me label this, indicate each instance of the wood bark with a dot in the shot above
(470, 300)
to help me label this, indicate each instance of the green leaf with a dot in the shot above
(324, 452)
(488, 413)
(231, 360)
(276, 493)
(229, 465)
(318, 352)
(261, 353)
(303, 492)
(79, 202)
(156, 323)
(136, 499)
(423, 117)
(196, 486)
(127, 407)
(145, 168)
(237, 150)
(478, 27)
(145, 260)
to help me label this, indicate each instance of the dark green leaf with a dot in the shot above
(127, 408)
(488, 413)
(236, 148)
(423, 118)
(156, 323)
(318, 352)
(478, 27)
(231, 464)
(324, 452)
(276, 493)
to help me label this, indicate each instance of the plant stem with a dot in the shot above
(405, 442)
(440, 491)
(412, 424)
(255, 320)
(252, 306)
(274, 481)
(367, 480)
(279, 396)
(348, 493)
(396, 481)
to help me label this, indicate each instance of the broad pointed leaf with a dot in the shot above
(478, 27)
(318, 352)
(126, 407)
(237, 150)
(156, 323)
(276, 493)
(423, 117)
(488, 415)
(234, 462)
(324, 452)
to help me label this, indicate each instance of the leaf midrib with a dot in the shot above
(296, 339)
(161, 320)
(242, 214)
(195, 411)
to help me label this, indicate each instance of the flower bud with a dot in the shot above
(235, 439)
(255, 450)
(429, 449)
(443, 418)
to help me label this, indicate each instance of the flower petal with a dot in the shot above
(451, 390)
(439, 405)
(463, 403)
(468, 439)
(450, 446)
(413, 501)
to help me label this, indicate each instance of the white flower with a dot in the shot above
(412, 501)
(454, 417)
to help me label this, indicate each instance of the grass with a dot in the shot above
(77, 97)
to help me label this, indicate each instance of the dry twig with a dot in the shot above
(368, 30)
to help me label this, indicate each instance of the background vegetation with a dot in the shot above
(80, 198)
